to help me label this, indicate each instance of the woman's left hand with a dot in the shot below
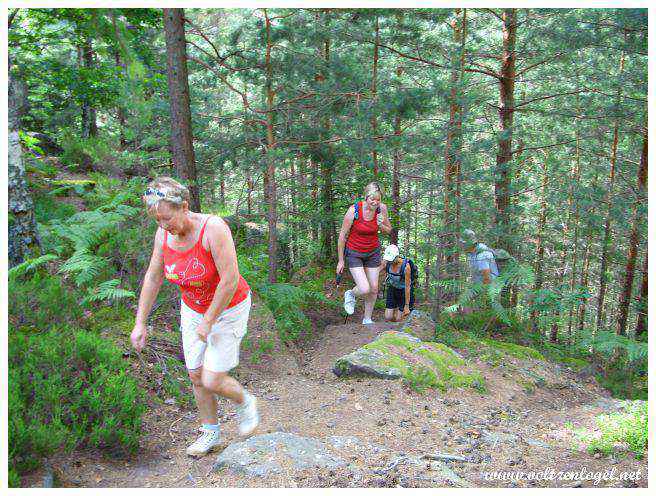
(203, 330)
(406, 311)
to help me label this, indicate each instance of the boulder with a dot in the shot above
(274, 453)
(395, 355)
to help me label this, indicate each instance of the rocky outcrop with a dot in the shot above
(276, 452)
(395, 355)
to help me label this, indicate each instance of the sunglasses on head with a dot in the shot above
(161, 195)
(156, 192)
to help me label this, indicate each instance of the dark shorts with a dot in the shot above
(360, 259)
(396, 298)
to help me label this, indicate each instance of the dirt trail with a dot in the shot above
(506, 429)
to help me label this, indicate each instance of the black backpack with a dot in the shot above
(414, 272)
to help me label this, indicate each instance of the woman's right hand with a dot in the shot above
(138, 337)
(340, 267)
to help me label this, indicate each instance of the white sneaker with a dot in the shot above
(249, 418)
(367, 321)
(349, 302)
(208, 441)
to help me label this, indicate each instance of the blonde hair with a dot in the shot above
(168, 190)
(371, 189)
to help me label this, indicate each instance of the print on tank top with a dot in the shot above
(198, 290)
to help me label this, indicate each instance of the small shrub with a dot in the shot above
(69, 388)
(42, 300)
(628, 426)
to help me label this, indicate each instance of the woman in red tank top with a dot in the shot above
(196, 253)
(358, 246)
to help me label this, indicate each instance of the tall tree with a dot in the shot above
(603, 275)
(182, 146)
(453, 147)
(641, 322)
(86, 55)
(625, 296)
(22, 237)
(503, 174)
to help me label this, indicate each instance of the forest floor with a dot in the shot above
(506, 429)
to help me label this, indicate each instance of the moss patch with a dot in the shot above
(513, 349)
(575, 363)
(421, 364)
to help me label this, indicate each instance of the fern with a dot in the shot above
(108, 290)
(30, 265)
(85, 266)
(608, 343)
(515, 274)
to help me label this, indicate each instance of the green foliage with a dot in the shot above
(286, 302)
(42, 300)
(69, 388)
(48, 208)
(109, 291)
(629, 426)
(30, 265)
(95, 242)
(608, 344)
(514, 275)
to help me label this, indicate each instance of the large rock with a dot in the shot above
(395, 355)
(276, 452)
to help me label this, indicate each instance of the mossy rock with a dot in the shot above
(398, 355)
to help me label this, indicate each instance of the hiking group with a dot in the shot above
(196, 252)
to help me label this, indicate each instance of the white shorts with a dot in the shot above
(221, 352)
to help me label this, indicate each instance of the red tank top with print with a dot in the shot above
(363, 236)
(194, 271)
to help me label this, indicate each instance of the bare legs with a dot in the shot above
(393, 315)
(206, 384)
(366, 285)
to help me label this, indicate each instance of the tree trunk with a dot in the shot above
(250, 186)
(374, 100)
(625, 296)
(577, 212)
(584, 284)
(396, 187)
(453, 154)
(428, 251)
(270, 175)
(503, 175)
(641, 323)
(181, 134)
(396, 181)
(314, 194)
(329, 235)
(539, 252)
(89, 125)
(23, 238)
(120, 111)
(603, 277)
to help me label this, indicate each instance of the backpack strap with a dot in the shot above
(356, 206)
(403, 266)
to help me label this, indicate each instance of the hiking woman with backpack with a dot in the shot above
(358, 248)
(401, 276)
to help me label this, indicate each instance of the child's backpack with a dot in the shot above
(414, 272)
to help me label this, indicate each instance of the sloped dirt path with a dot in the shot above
(507, 429)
